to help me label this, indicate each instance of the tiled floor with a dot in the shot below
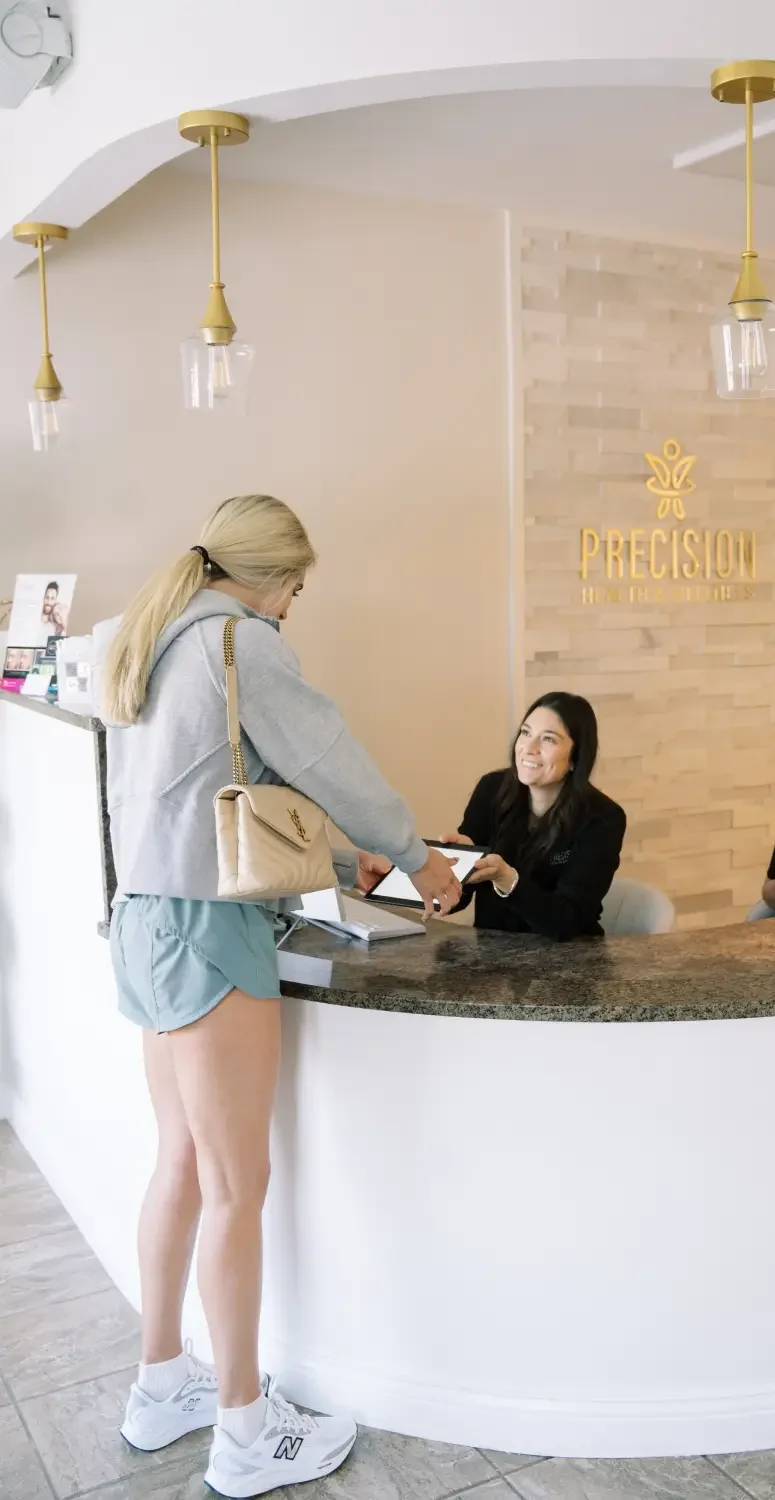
(68, 1344)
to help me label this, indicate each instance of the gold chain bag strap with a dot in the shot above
(272, 840)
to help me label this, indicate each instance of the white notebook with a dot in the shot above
(357, 918)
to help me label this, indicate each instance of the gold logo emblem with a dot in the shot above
(670, 480)
(297, 823)
(673, 560)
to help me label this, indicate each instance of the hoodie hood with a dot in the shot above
(208, 603)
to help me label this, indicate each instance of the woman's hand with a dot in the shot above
(371, 868)
(456, 838)
(493, 868)
(436, 881)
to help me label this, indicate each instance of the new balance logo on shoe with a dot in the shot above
(289, 1447)
(191, 1404)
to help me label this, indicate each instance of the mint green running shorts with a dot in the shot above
(175, 960)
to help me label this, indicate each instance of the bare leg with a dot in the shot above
(226, 1068)
(170, 1212)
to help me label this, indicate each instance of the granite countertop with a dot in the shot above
(44, 706)
(720, 974)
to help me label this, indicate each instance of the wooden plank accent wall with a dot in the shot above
(615, 363)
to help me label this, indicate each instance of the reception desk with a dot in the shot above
(522, 1194)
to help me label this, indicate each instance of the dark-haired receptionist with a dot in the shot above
(555, 840)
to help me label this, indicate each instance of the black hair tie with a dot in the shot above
(203, 553)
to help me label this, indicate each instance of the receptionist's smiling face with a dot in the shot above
(544, 749)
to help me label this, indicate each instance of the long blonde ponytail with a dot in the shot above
(254, 539)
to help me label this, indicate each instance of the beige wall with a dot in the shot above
(381, 410)
(615, 358)
(377, 411)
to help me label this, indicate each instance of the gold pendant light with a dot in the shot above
(743, 338)
(216, 369)
(49, 403)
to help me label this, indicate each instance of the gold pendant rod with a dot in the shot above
(216, 128)
(216, 200)
(46, 352)
(747, 83)
(47, 385)
(749, 170)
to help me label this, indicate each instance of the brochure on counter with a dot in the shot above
(40, 615)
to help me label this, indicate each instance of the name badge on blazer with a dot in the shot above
(560, 858)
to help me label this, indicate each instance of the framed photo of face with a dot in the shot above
(18, 661)
(41, 608)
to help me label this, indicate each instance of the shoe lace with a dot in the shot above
(288, 1418)
(196, 1369)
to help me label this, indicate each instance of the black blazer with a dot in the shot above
(562, 897)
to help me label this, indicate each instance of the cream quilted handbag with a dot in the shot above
(272, 841)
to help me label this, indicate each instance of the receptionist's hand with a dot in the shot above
(371, 868)
(456, 838)
(493, 868)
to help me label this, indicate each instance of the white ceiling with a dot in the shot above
(598, 159)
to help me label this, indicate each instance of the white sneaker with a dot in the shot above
(150, 1424)
(290, 1449)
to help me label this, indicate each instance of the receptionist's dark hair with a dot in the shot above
(513, 831)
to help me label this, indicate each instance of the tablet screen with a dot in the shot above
(397, 887)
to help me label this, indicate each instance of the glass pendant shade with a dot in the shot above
(743, 352)
(742, 339)
(46, 420)
(216, 377)
(216, 368)
(48, 407)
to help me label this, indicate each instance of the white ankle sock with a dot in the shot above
(161, 1381)
(243, 1423)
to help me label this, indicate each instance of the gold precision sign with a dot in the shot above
(671, 563)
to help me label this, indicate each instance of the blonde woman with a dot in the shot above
(200, 975)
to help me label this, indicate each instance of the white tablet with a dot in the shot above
(397, 889)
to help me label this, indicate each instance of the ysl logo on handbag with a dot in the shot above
(297, 823)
